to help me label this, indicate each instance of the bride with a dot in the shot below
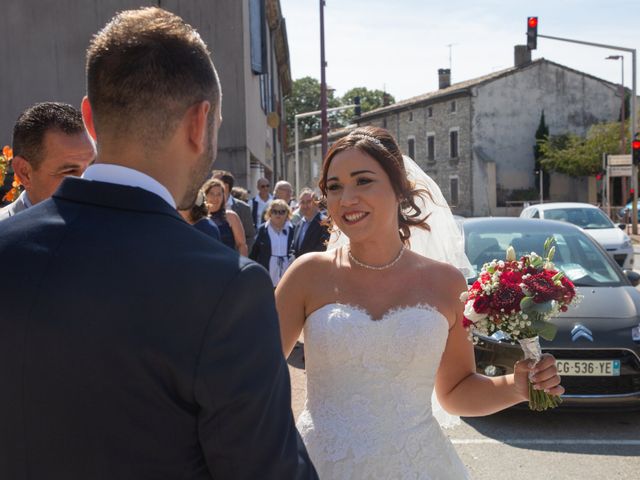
(383, 328)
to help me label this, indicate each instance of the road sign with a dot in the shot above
(620, 170)
(619, 160)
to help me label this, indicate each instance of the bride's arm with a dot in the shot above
(462, 391)
(290, 303)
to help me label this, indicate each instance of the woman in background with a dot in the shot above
(273, 240)
(198, 216)
(227, 221)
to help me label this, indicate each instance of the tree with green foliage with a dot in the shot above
(541, 133)
(577, 156)
(369, 99)
(305, 97)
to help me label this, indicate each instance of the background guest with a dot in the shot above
(273, 241)
(198, 216)
(49, 143)
(241, 208)
(260, 202)
(231, 231)
(284, 191)
(240, 193)
(310, 235)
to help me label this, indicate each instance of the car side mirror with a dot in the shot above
(622, 226)
(633, 277)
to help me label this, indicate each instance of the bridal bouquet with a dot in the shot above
(518, 298)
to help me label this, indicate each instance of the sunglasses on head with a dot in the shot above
(278, 212)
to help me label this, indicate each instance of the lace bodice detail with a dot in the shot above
(369, 385)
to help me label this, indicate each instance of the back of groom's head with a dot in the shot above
(145, 68)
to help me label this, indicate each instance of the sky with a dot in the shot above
(399, 45)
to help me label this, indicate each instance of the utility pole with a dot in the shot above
(323, 87)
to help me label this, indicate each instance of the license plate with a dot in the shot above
(589, 368)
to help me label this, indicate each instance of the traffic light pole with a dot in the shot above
(634, 112)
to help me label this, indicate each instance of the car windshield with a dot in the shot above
(587, 218)
(576, 255)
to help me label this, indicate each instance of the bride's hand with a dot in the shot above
(545, 376)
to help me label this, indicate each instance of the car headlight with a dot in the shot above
(626, 243)
(635, 333)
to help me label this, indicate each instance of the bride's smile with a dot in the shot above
(361, 199)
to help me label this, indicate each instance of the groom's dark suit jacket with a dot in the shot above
(132, 346)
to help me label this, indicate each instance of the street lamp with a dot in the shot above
(622, 138)
(541, 184)
(622, 96)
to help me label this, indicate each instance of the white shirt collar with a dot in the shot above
(104, 172)
(263, 202)
(26, 200)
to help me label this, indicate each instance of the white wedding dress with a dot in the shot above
(369, 385)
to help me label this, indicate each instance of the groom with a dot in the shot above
(131, 345)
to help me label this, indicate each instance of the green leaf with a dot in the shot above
(545, 307)
(526, 304)
(546, 330)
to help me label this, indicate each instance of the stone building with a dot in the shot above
(43, 58)
(476, 137)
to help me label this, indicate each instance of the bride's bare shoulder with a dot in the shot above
(446, 274)
(312, 264)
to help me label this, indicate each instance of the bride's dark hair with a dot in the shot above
(380, 145)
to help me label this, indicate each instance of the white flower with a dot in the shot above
(471, 314)
(511, 254)
(464, 296)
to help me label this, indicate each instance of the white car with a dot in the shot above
(593, 220)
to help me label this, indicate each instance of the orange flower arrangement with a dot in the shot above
(5, 160)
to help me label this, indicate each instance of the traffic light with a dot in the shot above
(635, 145)
(356, 101)
(532, 32)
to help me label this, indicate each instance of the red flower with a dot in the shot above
(482, 304)
(542, 287)
(511, 278)
(508, 298)
(466, 323)
(568, 290)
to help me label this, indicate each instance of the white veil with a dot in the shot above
(443, 242)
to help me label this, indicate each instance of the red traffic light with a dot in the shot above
(635, 144)
(532, 33)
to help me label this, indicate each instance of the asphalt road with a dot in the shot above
(518, 444)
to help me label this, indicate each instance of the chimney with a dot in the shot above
(444, 78)
(522, 55)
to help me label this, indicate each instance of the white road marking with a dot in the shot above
(550, 441)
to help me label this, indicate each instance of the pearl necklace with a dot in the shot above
(375, 267)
